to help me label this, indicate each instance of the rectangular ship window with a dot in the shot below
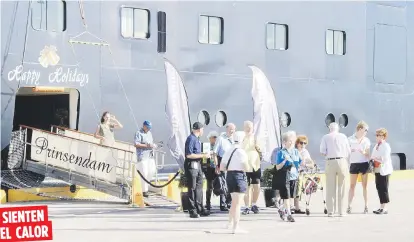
(335, 42)
(135, 23)
(49, 15)
(277, 36)
(162, 32)
(210, 30)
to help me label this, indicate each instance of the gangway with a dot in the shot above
(159, 155)
(63, 157)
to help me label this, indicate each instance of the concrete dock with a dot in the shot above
(96, 222)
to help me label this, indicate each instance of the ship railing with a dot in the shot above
(159, 154)
(79, 162)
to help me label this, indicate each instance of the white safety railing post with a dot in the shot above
(25, 146)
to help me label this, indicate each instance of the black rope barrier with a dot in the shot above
(158, 186)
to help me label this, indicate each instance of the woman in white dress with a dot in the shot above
(105, 130)
(359, 160)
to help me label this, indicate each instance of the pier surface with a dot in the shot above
(96, 222)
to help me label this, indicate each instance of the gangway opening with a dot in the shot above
(40, 107)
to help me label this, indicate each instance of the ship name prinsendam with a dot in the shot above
(42, 143)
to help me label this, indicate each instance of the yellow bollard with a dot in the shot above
(170, 190)
(359, 179)
(3, 197)
(137, 198)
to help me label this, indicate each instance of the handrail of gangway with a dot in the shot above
(159, 165)
(67, 137)
(125, 160)
(124, 171)
(89, 134)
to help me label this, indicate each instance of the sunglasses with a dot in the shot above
(379, 135)
(303, 143)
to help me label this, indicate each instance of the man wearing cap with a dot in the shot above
(146, 164)
(223, 144)
(193, 173)
(209, 169)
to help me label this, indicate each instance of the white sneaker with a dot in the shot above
(239, 231)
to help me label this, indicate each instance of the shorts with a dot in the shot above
(236, 181)
(282, 182)
(288, 191)
(254, 177)
(359, 168)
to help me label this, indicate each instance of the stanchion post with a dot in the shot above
(170, 188)
(136, 195)
(180, 208)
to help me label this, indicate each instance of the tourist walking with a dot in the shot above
(235, 163)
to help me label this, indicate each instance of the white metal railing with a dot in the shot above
(48, 148)
(159, 154)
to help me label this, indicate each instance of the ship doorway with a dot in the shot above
(41, 107)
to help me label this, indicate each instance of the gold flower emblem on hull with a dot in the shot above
(48, 56)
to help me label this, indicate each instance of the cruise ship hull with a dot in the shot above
(104, 71)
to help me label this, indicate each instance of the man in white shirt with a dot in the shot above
(223, 144)
(335, 147)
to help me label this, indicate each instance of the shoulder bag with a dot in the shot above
(373, 164)
(219, 183)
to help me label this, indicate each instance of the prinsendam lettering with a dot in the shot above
(43, 144)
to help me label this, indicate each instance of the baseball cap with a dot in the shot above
(148, 124)
(197, 125)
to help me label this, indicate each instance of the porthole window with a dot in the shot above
(285, 120)
(330, 118)
(221, 118)
(343, 120)
(203, 117)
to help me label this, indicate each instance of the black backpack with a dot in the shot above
(220, 184)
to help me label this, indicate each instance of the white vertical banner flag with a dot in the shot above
(266, 121)
(176, 110)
